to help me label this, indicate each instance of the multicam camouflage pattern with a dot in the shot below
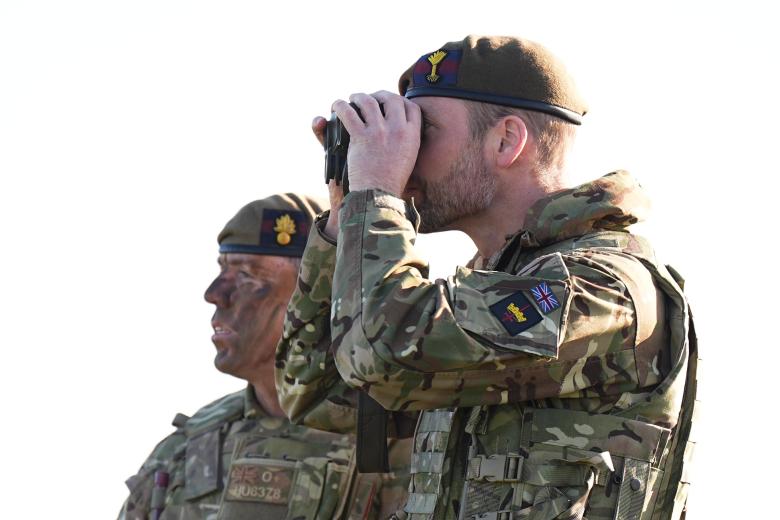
(141, 485)
(231, 461)
(309, 386)
(601, 375)
(313, 393)
(417, 344)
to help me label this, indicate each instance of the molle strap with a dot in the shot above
(428, 462)
(436, 420)
(371, 446)
(633, 489)
(477, 421)
(421, 503)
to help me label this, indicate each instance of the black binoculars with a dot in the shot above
(336, 143)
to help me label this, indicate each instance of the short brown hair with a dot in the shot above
(552, 135)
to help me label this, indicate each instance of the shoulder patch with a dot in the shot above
(545, 298)
(503, 309)
(516, 313)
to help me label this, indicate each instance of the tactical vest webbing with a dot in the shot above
(430, 481)
(271, 469)
(550, 463)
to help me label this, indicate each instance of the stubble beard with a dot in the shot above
(468, 189)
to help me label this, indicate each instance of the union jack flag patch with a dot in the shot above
(545, 298)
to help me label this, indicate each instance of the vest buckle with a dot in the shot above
(496, 468)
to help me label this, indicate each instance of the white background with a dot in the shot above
(130, 132)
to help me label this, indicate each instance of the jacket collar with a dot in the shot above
(610, 203)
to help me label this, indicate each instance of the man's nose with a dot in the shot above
(218, 293)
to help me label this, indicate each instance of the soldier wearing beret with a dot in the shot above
(239, 457)
(555, 373)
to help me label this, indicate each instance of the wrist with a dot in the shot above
(331, 228)
(361, 185)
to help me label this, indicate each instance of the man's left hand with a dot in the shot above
(382, 148)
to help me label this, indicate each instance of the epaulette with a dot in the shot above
(224, 410)
(180, 421)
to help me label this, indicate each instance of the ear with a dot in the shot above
(510, 136)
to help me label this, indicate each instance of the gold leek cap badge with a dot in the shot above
(434, 59)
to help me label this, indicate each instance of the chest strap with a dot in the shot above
(371, 442)
(513, 467)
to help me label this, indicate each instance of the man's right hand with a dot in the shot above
(335, 190)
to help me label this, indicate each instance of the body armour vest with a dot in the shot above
(567, 458)
(234, 465)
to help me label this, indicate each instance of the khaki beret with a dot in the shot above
(277, 225)
(502, 70)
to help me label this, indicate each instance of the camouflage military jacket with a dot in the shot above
(551, 379)
(231, 461)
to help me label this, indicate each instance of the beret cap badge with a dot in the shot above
(435, 58)
(277, 225)
(285, 228)
(500, 70)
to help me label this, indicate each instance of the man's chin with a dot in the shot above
(426, 230)
(431, 225)
(225, 363)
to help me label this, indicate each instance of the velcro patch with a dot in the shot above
(516, 313)
(545, 298)
(266, 482)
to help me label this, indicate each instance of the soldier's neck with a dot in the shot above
(506, 214)
(489, 228)
(265, 392)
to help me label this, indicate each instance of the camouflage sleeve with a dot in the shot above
(310, 389)
(479, 337)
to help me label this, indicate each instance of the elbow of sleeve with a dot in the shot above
(389, 396)
(356, 361)
(362, 368)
